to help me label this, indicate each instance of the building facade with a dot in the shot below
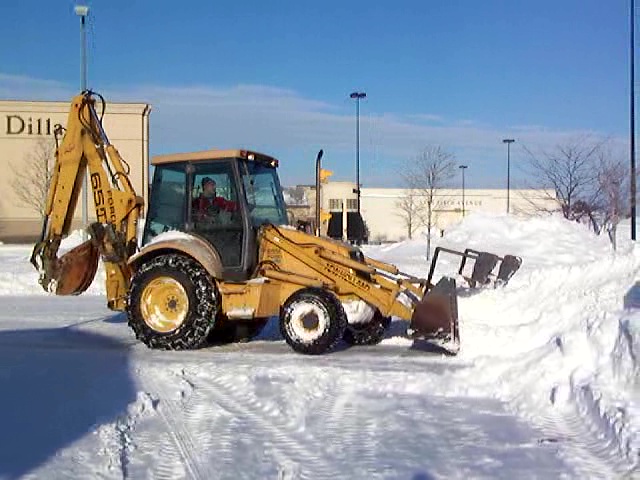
(27, 146)
(387, 212)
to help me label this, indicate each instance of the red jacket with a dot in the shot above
(202, 204)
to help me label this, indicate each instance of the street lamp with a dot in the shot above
(508, 141)
(632, 127)
(82, 11)
(358, 96)
(463, 168)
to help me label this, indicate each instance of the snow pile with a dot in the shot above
(560, 343)
(557, 340)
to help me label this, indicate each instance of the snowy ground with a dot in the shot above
(546, 385)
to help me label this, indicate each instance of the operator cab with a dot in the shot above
(222, 196)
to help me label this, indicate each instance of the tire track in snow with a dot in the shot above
(179, 421)
(341, 421)
(143, 461)
(204, 420)
(292, 447)
(583, 446)
(366, 440)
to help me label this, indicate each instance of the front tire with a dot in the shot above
(172, 303)
(312, 321)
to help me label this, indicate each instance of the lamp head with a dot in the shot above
(81, 10)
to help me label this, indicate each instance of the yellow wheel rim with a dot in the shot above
(164, 304)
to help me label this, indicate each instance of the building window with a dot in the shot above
(352, 204)
(335, 204)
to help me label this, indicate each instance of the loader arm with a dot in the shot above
(431, 309)
(85, 147)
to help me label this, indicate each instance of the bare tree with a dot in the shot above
(408, 210)
(570, 170)
(32, 176)
(295, 195)
(612, 180)
(588, 181)
(425, 175)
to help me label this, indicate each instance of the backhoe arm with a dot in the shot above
(117, 207)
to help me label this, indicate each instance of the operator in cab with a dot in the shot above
(208, 203)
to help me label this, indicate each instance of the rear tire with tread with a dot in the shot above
(367, 333)
(203, 302)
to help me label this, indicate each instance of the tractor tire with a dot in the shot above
(367, 333)
(312, 321)
(172, 303)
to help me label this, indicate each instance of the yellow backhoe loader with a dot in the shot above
(217, 253)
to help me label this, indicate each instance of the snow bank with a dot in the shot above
(558, 339)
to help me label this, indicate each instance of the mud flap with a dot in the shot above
(436, 316)
(70, 274)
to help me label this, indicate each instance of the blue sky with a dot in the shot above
(275, 76)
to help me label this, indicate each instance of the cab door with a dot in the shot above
(220, 218)
(167, 201)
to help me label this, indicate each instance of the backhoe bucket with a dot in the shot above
(435, 317)
(70, 274)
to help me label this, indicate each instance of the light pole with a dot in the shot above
(463, 168)
(358, 96)
(82, 11)
(508, 141)
(632, 128)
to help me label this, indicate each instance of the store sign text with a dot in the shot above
(452, 203)
(17, 125)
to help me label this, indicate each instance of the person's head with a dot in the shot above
(209, 187)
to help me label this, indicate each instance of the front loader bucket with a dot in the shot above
(484, 264)
(510, 265)
(435, 317)
(70, 274)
